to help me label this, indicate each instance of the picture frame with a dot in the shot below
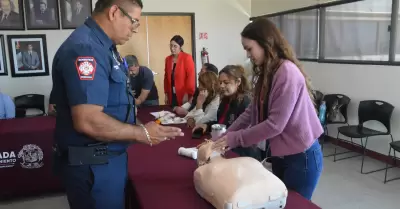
(28, 55)
(12, 15)
(73, 13)
(42, 15)
(3, 60)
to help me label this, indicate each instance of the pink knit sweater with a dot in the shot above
(292, 125)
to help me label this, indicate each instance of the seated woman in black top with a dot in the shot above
(234, 101)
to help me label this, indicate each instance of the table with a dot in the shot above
(160, 178)
(26, 157)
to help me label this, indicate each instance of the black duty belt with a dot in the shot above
(97, 154)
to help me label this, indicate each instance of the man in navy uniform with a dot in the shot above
(95, 108)
(142, 81)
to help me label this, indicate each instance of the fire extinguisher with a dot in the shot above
(204, 56)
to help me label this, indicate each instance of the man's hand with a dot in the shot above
(159, 133)
(181, 111)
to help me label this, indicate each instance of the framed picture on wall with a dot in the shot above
(74, 12)
(11, 15)
(42, 14)
(3, 60)
(28, 55)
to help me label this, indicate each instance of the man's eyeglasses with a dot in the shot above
(135, 22)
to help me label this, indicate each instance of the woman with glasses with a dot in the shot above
(234, 101)
(179, 77)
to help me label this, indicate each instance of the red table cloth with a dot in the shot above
(162, 179)
(26, 157)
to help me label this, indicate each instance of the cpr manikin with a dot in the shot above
(237, 183)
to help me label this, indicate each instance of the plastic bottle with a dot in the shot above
(322, 113)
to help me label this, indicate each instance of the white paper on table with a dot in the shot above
(168, 118)
(162, 114)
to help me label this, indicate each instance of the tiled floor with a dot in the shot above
(341, 187)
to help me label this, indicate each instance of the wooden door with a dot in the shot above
(151, 44)
(161, 30)
(137, 45)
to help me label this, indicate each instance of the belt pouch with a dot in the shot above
(92, 155)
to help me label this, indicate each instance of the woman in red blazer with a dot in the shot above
(179, 77)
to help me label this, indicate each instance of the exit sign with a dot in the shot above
(203, 36)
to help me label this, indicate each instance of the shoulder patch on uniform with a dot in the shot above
(86, 67)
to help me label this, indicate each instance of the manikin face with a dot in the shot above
(228, 85)
(254, 51)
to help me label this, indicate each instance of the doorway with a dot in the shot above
(151, 43)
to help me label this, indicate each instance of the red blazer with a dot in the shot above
(184, 77)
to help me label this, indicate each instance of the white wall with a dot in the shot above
(359, 82)
(263, 7)
(222, 19)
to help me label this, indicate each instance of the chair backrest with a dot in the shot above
(336, 102)
(30, 101)
(375, 110)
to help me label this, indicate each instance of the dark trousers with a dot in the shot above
(300, 172)
(96, 186)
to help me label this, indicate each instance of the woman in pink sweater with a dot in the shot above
(282, 115)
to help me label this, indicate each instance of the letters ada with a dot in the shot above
(86, 67)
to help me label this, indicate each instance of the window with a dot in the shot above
(301, 31)
(276, 20)
(358, 31)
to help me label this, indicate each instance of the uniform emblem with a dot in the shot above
(32, 156)
(86, 67)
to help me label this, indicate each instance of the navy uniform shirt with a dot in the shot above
(87, 69)
(144, 80)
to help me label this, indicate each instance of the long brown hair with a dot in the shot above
(236, 72)
(209, 80)
(276, 49)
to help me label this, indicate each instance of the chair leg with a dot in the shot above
(326, 135)
(387, 165)
(335, 153)
(362, 162)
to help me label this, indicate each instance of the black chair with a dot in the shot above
(335, 104)
(31, 101)
(369, 110)
(396, 148)
(20, 113)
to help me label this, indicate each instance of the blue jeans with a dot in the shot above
(96, 186)
(300, 172)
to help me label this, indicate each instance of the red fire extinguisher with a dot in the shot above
(204, 56)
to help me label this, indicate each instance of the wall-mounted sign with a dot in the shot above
(203, 36)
